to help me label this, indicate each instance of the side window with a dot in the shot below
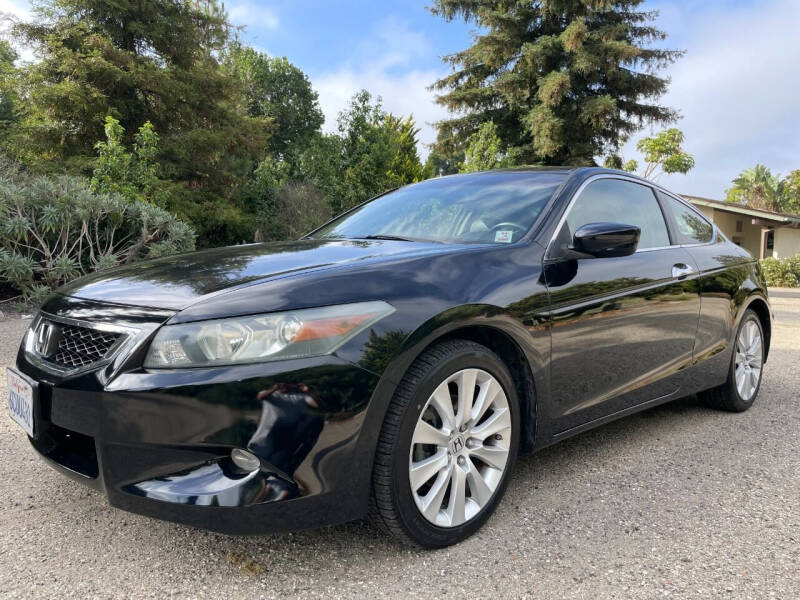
(690, 227)
(618, 201)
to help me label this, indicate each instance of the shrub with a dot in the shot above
(132, 174)
(283, 209)
(54, 229)
(293, 210)
(781, 272)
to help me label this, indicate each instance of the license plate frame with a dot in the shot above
(23, 400)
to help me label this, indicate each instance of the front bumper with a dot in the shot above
(159, 443)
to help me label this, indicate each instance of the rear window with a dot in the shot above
(485, 208)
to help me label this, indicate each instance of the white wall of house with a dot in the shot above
(748, 238)
(739, 229)
(787, 242)
(706, 210)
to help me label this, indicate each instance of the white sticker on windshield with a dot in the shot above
(503, 237)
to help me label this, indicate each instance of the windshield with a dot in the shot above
(484, 208)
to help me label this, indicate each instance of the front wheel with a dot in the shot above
(739, 391)
(447, 446)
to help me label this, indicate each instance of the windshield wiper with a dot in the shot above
(394, 238)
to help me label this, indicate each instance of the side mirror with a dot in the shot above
(606, 240)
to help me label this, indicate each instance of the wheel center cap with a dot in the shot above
(457, 444)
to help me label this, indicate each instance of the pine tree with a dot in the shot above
(154, 61)
(138, 62)
(564, 81)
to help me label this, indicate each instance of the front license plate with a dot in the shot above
(20, 400)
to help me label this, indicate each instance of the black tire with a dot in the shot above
(392, 507)
(726, 396)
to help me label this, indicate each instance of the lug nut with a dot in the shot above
(498, 437)
(462, 461)
(245, 460)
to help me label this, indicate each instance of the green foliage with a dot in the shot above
(138, 62)
(663, 154)
(758, 187)
(405, 166)
(284, 209)
(372, 152)
(277, 90)
(564, 81)
(439, 163)
(133, 175)
(9, 96)
(791, 193)
(781, 272)
(53, 229)
(165, 110)
(484, 150)
(293, 210)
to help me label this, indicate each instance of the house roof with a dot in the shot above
(744, 210)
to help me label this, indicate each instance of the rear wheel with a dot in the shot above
(447, 446)
(739, 392)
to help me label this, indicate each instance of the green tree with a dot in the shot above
(139, 62)
(276, 89)
(372, 152)
(133, 175)
(564, 81)
(791, 193)
(484, 150)
(758, 187)
(405, 166)
(9, 96)
(662, 154)
(438, 163)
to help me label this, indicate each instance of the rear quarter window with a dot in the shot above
(689, 227)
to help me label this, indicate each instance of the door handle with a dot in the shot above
(681, 270)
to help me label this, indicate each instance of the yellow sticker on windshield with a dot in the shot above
(503, 237)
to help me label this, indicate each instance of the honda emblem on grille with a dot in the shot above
(47, 337)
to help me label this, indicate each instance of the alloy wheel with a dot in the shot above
(749, 357)
(460, 448)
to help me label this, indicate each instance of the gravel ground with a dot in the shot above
(678, 501)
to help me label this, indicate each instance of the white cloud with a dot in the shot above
(386, 69)
(16, 8)
(738, 88)
(252, 15)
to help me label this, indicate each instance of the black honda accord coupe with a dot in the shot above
(394, 362)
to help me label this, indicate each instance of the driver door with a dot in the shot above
(620, 327)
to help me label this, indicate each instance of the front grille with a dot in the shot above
(81, 346)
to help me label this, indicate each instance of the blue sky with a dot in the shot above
(738, 87)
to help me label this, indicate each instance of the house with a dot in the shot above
(761, 232)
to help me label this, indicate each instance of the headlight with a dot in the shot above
(260, 338)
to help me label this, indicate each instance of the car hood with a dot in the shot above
(176, 282)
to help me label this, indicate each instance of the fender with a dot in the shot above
(533, 344)
(763, 310)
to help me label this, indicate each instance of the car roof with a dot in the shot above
(542, 169)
